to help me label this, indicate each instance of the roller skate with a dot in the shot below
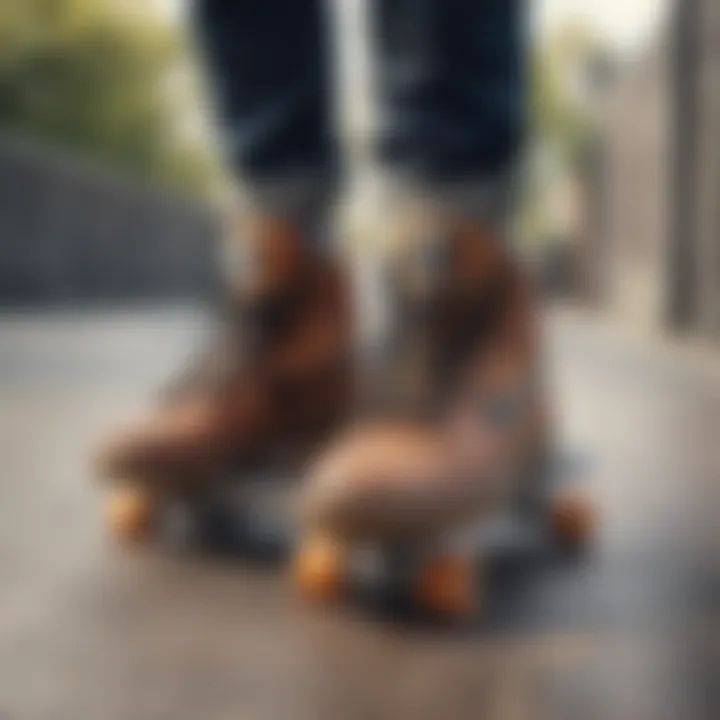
(267, 394)
(465, 417)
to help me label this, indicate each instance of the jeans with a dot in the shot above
(449, 76)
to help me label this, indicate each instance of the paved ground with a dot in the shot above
(90, 632)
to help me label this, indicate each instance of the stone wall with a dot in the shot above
(70, 233)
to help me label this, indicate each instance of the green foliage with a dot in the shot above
(565, 128)
(116, 87)
(563, 74)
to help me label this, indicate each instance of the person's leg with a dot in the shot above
(451, 81)
(450, 76)
(270, 76)
(279, 376)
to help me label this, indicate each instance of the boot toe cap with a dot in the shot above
(389, 484)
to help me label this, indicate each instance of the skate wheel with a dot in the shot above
(320, 570)
(131, 514)
(446, 588)
(573, 521)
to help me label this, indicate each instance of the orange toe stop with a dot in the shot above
(574, 519)
(446, 587)
(320, 570)
(131, 513)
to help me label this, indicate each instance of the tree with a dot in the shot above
(570, 66)
(88, 77)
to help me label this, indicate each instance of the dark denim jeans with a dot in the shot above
(449, 76)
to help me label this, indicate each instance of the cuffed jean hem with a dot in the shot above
(490, 199)
(302, 197)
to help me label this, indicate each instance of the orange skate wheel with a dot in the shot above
(131, 513)
(320, 569)
(573, 521)
(447, 587)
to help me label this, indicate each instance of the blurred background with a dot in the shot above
(107, 142)
(110, 184)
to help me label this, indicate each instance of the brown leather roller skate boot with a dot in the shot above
(462, 419)
(276, 384)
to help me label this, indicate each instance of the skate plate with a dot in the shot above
(253, 517)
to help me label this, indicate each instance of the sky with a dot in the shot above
(625, 24)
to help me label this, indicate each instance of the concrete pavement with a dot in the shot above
(88, 631)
